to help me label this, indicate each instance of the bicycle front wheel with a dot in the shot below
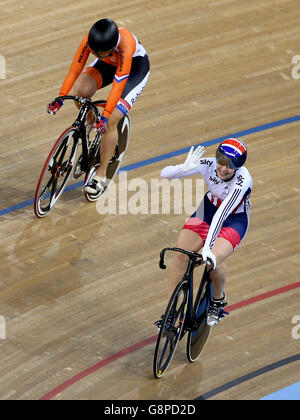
(56, 172)
(171, 328)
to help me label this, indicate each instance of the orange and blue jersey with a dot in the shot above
(128, 47)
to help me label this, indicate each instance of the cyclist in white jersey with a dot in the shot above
(222, 219)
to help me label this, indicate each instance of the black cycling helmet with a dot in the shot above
(103, 36)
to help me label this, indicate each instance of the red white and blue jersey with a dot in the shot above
(226, 203)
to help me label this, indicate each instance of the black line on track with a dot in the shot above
(249, 376)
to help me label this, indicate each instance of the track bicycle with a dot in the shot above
(61, 164)
(184, 315)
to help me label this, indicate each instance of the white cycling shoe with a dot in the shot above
(216, 311)
(96, 185)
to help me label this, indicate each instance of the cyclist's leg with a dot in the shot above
(109, 142)
(190, 241)
(86, 86)
(230, 237)
(93, 78)
(136, 83)
(222, 250)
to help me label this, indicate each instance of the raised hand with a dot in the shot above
(193, 158)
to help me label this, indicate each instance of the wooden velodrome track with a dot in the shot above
(79, 291)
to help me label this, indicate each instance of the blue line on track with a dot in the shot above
(212, 142)
(165, 156)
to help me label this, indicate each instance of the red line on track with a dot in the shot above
(128, 350)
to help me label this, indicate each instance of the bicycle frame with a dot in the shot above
(191, 322)
(86, 106)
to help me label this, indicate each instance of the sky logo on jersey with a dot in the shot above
(206, 162)
(120, 79)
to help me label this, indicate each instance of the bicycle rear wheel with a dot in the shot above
(198, 336)
(56, 172)
(115, 163)
(171, 329)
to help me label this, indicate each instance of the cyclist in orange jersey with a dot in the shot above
(122, 61)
